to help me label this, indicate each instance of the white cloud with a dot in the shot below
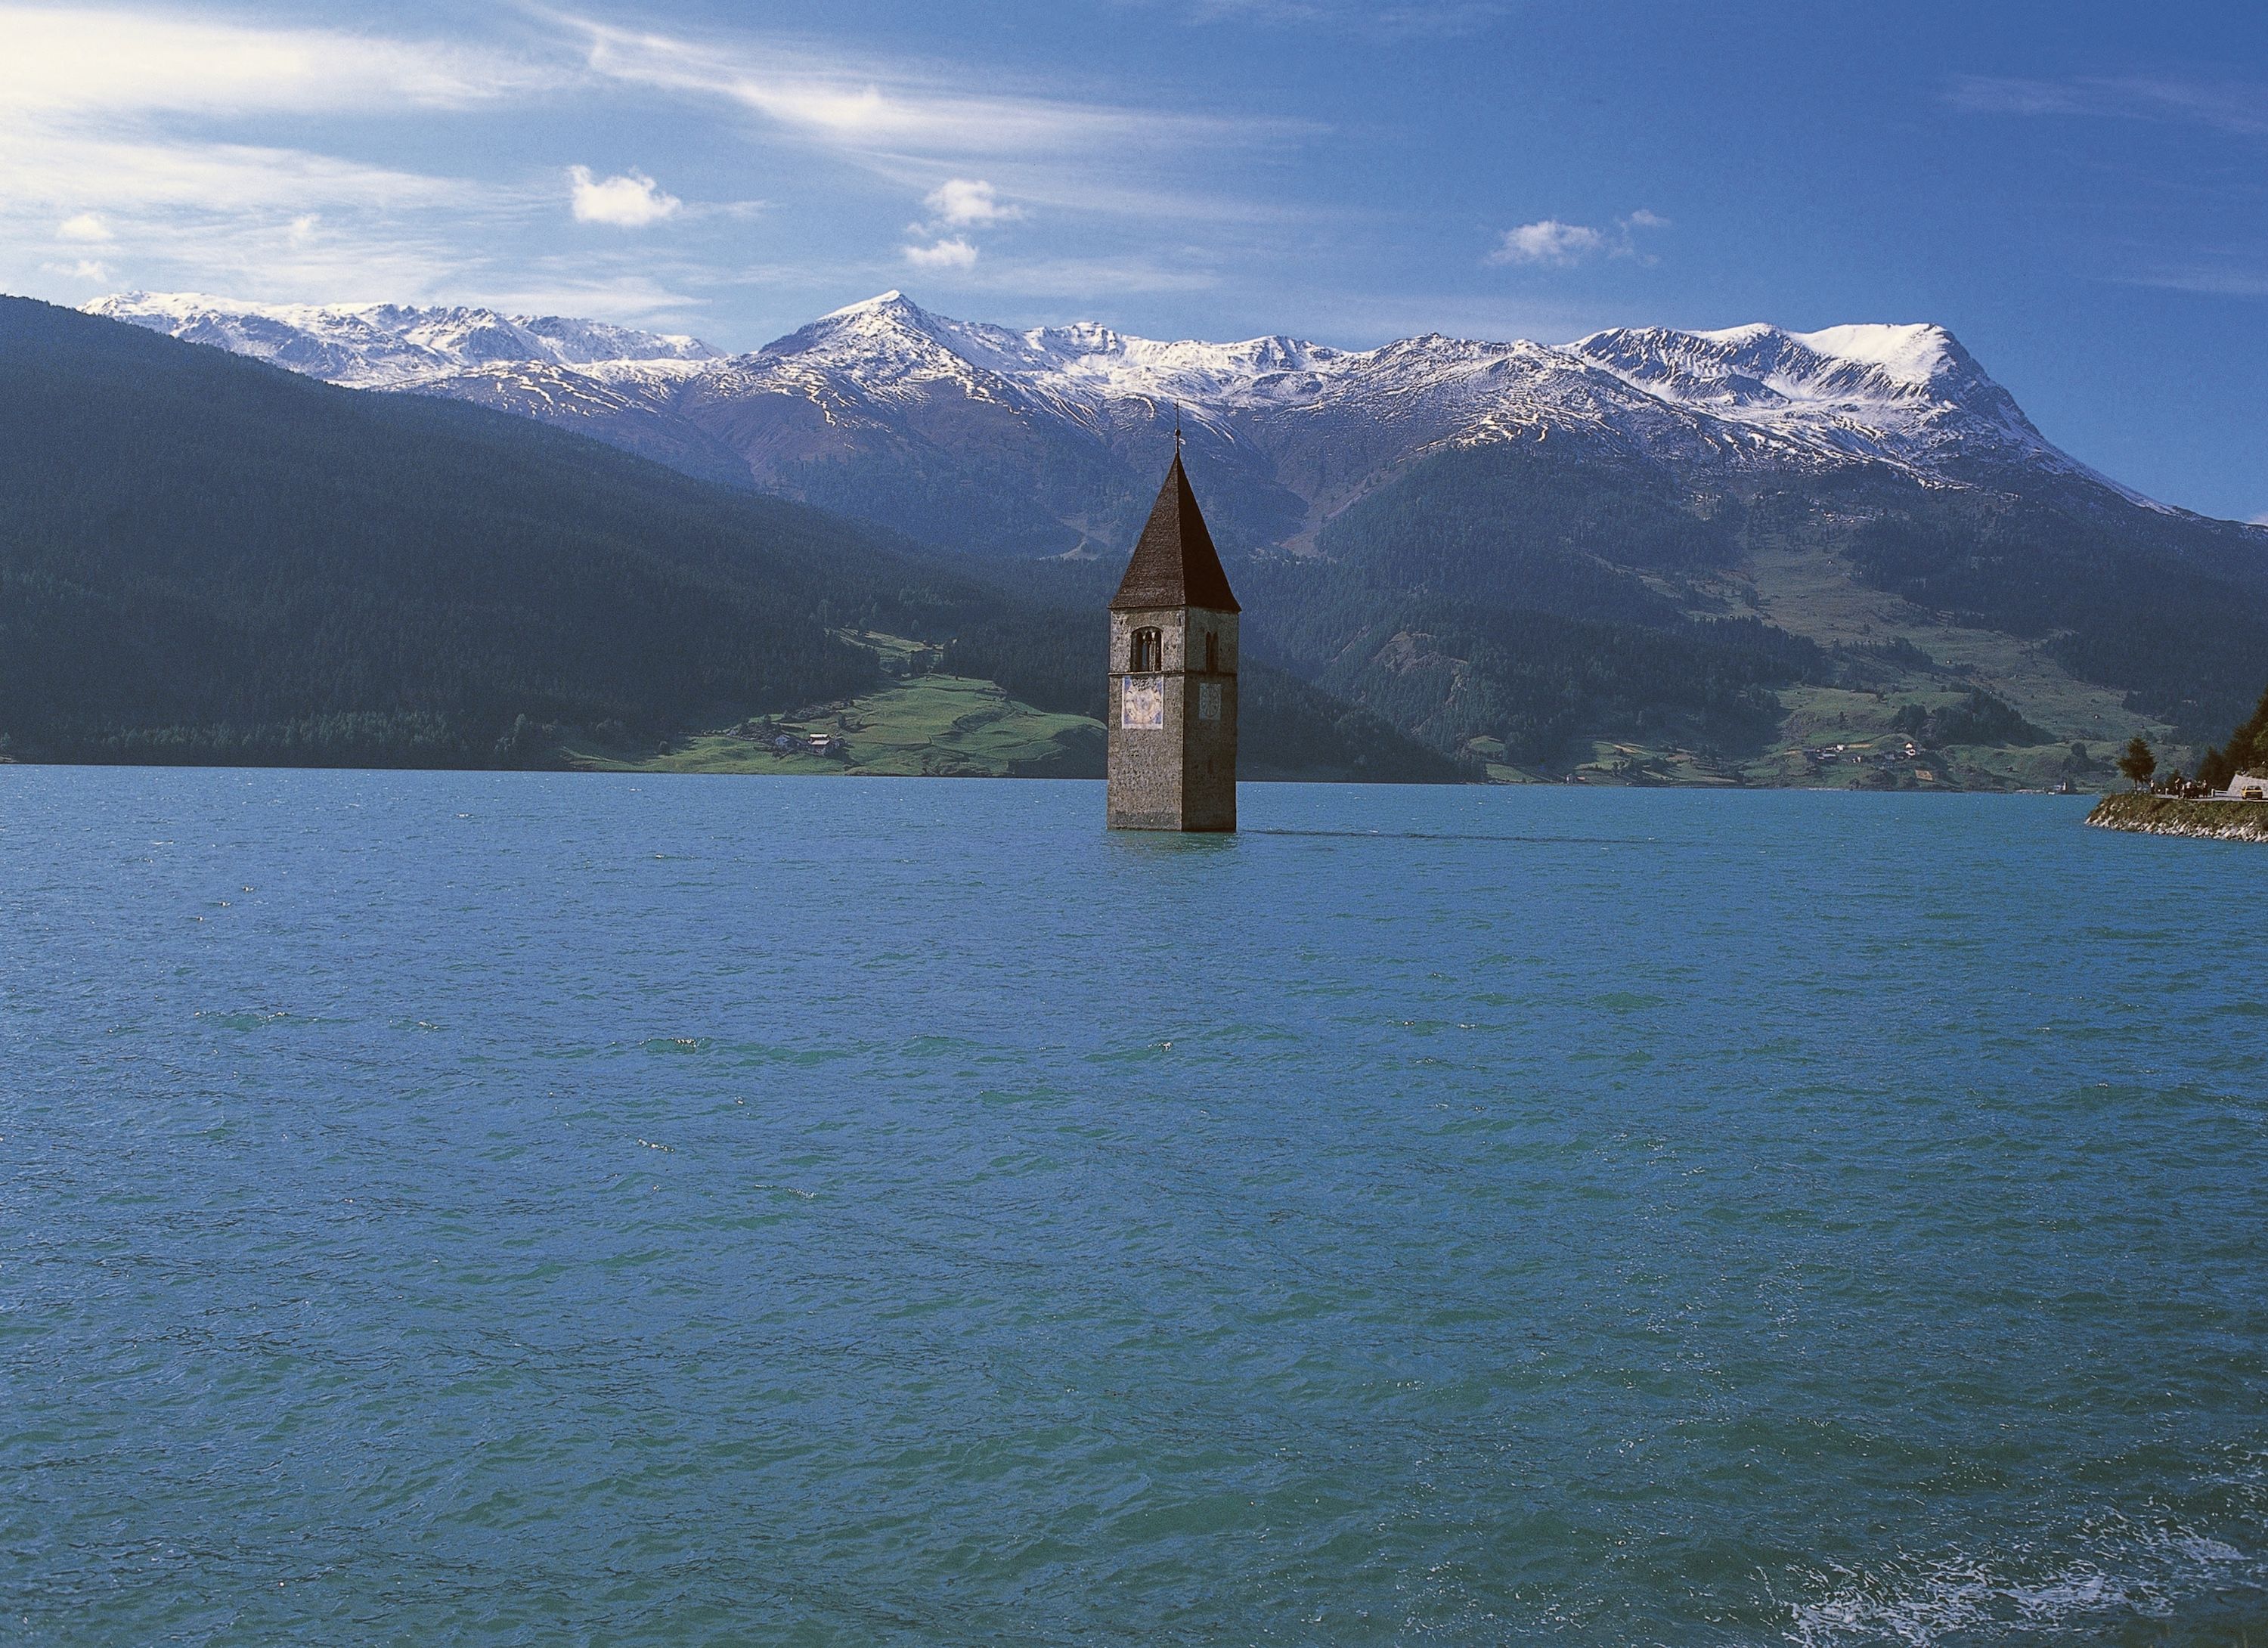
(86, 228)
(968, 202)
(1551, 244)
(1548, 241)
(631, 201)
(85, 269)
(955, 253)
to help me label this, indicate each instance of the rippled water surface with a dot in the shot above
(476, 1208)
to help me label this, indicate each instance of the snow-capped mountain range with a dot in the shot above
(388, 346)
(928, 422)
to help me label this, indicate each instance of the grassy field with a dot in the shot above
(926, 725)
(1803, 592)
(1855, 729)
(1832, 738)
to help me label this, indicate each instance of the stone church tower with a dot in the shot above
(1173, 675)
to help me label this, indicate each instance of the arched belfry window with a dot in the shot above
(1149, 656)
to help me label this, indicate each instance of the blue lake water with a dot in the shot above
(484, 1208)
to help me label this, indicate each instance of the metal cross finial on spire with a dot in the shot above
(1177, 429)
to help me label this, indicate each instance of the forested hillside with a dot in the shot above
(203, 558)
(1522, 592)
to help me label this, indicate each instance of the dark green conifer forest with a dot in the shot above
(205, 559)
(2244, 751)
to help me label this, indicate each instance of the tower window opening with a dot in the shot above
(1149, 655)
(1212, 655)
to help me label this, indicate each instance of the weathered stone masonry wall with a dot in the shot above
(1181, 775)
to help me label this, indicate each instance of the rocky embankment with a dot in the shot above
(2168, 815)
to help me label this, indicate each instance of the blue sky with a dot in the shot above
(2080, 191)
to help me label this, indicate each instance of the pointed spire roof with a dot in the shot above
(1174, 563)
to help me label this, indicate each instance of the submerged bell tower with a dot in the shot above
(1172, 722)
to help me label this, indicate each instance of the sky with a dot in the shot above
(2078, 190)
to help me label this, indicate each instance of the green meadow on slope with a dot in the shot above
(930, 727)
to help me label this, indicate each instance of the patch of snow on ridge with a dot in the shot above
(1912, 355)
(392, 345)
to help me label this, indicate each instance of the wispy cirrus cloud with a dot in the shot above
(2213, 280)
(1415, 19)
(117, 61)
(564, 286)
(1078, 279)
(918, 125)
(2214, 265)
(881, 108)
(2225, 105)
(124, 175)
(184, 146)
(111, 118)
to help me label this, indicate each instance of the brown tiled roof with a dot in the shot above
(1174, 563)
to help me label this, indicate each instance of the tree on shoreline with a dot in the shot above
(2138, 764)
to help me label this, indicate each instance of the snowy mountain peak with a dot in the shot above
(1908, 395)
(891, 299)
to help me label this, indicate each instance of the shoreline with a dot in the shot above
(2171, 815)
